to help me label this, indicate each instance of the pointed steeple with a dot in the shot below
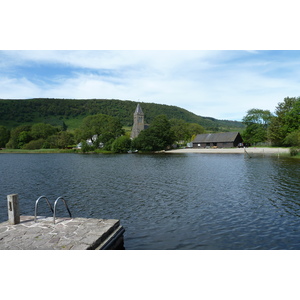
(138, 110)
(138, 122)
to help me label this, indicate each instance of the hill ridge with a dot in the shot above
(14, 112)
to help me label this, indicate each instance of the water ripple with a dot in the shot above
(168, 201)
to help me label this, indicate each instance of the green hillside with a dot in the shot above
(71, 112)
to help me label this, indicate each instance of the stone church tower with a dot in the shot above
(138, 122)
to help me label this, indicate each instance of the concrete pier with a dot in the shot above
(65, 234)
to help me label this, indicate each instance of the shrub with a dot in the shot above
(35, 144)
(121, 145)
(294, 151)
(293, 139)
(85, 147)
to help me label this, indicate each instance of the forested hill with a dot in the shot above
(70, 111)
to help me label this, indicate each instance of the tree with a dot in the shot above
(285, 121)
(180, 130)
(257, 122)
(157, 137)
(42, 131)
(293, 139)
(195, 128)
(103, 126)
(292, 117)
(276, 132)
(19, 137)
(85, 147)
(183, 131)
(121, 145)
(64, 139)
(4, 136)
(34, 144)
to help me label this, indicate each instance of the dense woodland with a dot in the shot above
(71, 112)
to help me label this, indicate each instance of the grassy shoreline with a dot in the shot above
(39, 151)
(46, 151)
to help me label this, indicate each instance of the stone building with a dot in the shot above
(138, 122)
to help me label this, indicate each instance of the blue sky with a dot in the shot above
(192, 55)
(220, 84)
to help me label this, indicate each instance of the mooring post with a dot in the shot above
(13, 209)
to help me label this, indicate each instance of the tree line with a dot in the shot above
(100, 131)
(37, 136)
(281, 128)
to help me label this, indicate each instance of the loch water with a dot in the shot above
(167, 201)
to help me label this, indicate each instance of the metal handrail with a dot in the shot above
(65, 206)
(36, 206)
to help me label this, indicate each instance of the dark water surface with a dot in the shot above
(184, 201)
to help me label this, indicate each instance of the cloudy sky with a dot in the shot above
(220, 84)
(191, 55)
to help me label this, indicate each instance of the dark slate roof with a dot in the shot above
(216, 137)
(138, 110)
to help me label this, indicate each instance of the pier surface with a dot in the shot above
(65, 234)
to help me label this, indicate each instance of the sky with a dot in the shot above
(222, 84)
(214, 58)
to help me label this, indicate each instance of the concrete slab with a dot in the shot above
(71, 234)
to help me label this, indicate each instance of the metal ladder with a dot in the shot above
(53, 210)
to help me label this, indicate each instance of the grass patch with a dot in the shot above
(39, 151)
(97, 151)
(74, 123)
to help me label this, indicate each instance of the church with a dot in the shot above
(138, 122)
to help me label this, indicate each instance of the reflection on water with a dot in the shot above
(185, 201)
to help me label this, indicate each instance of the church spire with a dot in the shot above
(138, 122)
(138, 110)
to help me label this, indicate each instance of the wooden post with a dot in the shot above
(13, 209)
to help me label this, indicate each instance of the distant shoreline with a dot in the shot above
(250, 150)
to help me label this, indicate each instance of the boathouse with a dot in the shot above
(218, 140)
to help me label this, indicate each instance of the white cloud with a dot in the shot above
(16, 88)
(220, 84)
(146, 61)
